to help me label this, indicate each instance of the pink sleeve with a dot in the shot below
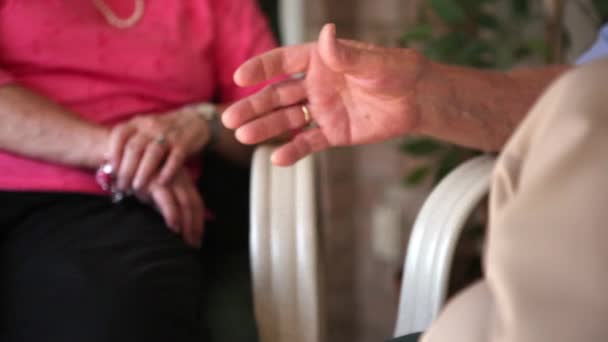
(5, 77)
(242, 33)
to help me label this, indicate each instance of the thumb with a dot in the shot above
(350, 57)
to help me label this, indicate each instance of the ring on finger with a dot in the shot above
(307, 116)
(161, 139)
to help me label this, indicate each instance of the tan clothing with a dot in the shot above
(546, 262)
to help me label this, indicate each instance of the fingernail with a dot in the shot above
(240, 136)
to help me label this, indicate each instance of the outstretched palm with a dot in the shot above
(355, 93)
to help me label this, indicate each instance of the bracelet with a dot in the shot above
(209, 113)
(106, 178)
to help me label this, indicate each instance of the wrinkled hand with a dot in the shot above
(356, 94)
(180, 204)
(149, 145)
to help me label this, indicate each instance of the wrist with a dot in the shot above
(209, 114)
(94, 148)
(456, 105)
(434, 99)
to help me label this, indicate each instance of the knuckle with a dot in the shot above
(155, 127)
(120, 131)
(135, 145)
(149, 123)
(271, 94)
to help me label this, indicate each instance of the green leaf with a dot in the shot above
(420, 147)
(601, 7)
(537, 47)
(487, 21)
(449, 11)
(448, 162)
(473, 6)
(503, 57)
(453, 157)
(520, 8)
(447, 47)
(475, 53)
(417, 33)
(417, 175)
(522, 52)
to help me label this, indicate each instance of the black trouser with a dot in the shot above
(79, 268)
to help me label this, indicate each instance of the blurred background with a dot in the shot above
(369, 195)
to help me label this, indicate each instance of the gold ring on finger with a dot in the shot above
(307, 116)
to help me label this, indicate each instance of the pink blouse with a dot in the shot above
(180, 52)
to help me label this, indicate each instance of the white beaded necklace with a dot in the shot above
(117, 22)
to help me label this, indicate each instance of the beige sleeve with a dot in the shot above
(547, 251)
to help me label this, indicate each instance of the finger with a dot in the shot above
(272, 125)
(186, 215)
(118, 138)
(174, 162)
(356, 58)
(167, 204)
(128, 164)
(303, 144)
(274, 96)
(282, 61)
(149, 164)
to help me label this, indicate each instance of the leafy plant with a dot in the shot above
(496, 34)
(445, 157)
(478, 33)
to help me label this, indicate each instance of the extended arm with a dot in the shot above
(359, 93)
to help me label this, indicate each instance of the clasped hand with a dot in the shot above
(149, 153)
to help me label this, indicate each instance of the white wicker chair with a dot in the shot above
(284, 251)
(283, 237)
(433, 241)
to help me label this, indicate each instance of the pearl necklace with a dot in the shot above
(117, 22)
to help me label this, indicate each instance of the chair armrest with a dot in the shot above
(433, 241)
(284, 250)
